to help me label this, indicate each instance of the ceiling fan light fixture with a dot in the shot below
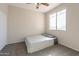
(38, 4)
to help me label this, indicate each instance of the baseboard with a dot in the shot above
(14, 42)
(69, 47)
(2, 47)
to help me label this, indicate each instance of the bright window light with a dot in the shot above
(61, 20)
(52, 22)
(57, 21)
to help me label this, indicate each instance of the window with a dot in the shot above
(52, 22)
(58, 21)
(61, 20)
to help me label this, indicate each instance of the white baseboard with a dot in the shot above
(2, 47)
(14, 42)
(69, 47)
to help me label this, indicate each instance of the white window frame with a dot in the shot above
(51, 27)
(64, 10)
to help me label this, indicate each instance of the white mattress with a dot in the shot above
(37, 38)
(38, 42)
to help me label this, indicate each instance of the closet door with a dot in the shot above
(3, 30)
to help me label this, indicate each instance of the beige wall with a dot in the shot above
(22, 22)
(3, 25)
(70, 37)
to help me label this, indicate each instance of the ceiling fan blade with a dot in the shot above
(27, 3)
(46, 4)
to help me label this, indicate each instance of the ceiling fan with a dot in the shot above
(38, 4)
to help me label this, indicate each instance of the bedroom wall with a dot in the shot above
(23, 22)
(70, 37)
(3, 25)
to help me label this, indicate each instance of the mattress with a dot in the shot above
(38, 42)
(37, 38)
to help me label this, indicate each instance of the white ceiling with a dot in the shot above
(32, 6)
